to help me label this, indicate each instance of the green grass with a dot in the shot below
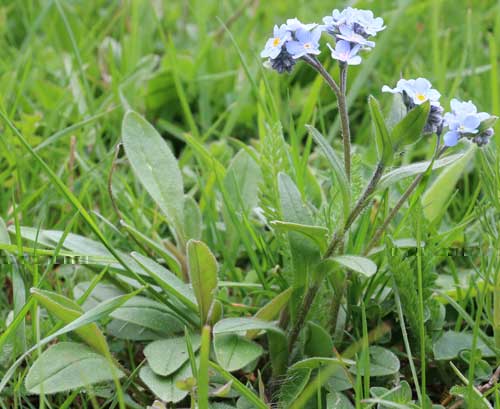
(69, 70)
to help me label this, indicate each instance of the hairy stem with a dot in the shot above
(301, 316)
(335, 305)
(336, 241)
(402, 200)
(363, 199)
(313, 62)
(356, 211)
(344, 120)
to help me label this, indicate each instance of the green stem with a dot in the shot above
(344, 120)
(402, 200)
(302, 314)
(335, 305)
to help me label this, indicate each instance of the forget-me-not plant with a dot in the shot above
(352, 30)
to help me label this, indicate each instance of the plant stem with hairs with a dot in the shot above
(340, 92)
(336, 241)
(378, 234)
(344, 120)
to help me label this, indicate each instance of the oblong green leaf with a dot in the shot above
(358, 264)
(166, 356)
(240, 325)
(318, 234)
(414, 169)
(68, 365)
(436, 196)
(449, 345)
(95, 314)
(156, 167)
(203, 270)
(383, 362)
(234, 352)
(149, 314)
(164, 387)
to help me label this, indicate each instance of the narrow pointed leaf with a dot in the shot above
(167, 281)
(382, 136)
(410, 128)
(67, 311)
(337, 167)
(203, 270)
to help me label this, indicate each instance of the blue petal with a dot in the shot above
(295, 49)
(451, 138)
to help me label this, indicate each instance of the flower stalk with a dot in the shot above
(344, 120)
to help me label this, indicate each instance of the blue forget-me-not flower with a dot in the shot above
(306, 42)
(360, 21)
(416, 92)
(275, 44)
(293, 24)
(354, 26)
(290, 42)
(465, 121)
(346, 53)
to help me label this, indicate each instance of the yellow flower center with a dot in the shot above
(421, 97)
(276, 41)
(307, 45)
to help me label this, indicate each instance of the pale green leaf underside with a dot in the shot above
(66, 366)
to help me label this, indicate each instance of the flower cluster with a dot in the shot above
(351, 29)
(462, 121)
(290, 42)
(465, 121)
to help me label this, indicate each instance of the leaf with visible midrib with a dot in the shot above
(358, 264)
(203, 273)
(165, 387)
(234, 352)
(165, 356)
(337, 168)
(156, 167)
(67, 366)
